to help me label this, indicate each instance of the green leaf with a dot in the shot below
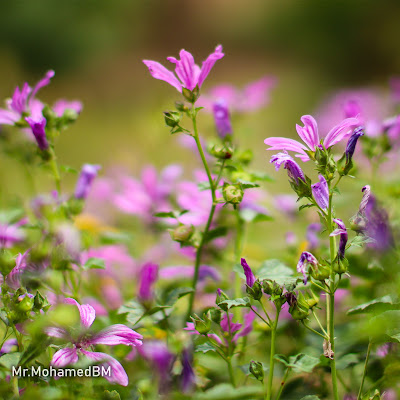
(247, 184)
(165, 214)
(360, 241)
(281, 358)
(245, 302)
(376, 305)
(35, 348)
(204, 348)
(10, 360)
(94, 263)
(303, 363)
(216, 233)
(277, 271)
(67, 168)
(309, 205)
(346, 361)
(134, 311)
(174, 295)
(225, 391)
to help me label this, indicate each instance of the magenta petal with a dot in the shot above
(308, 133)
(117, 375)
(13, 279)
(86, 311)
(64, 357)
(56, 332)
(117, 334)
(209, 63)
(186, 69)
(8, 117)
(281, 143)
(158, 71)
(43, 82)
(340, 131)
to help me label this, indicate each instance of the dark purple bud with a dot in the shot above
(351, 144)
(320, 192)
(306, 259)
(294, 171)
(188, 378)
(290, 298)
(85, 180)
(343, 236)
(250, 278)
(38, 131)
(148, 276)
(222, 119)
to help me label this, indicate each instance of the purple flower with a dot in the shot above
(85, 180)
(250, 278)
(222, 119)
(351, 144)
(23, 102)
(148, 276)
(311, 235)
(111, 336)
(60, 106)
(343, 236)
(188, 378)
(309, 134)
(12, 233)
(306, 258)
(364, 201)
(13, 279)
(190, 75)
(251, 98)
(320, 192)
(8, 345)
(294, 171)
(37, 126)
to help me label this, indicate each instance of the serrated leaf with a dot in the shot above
(277, 271)
(303, 363)
(134, 311)
(245, 302)
(204, 348)
(378, 305)
(94, 263)
(225, 391)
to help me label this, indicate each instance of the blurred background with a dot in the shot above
(96, 48)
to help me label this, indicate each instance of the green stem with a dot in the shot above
(54, 168)
(365, 372)
(268, 395)
(240, 226)
(314, 331)
(282, 384)
(15, 386)
(319, 322)
(255, 312)
(230, 369)
(210, 217)
(265, 311)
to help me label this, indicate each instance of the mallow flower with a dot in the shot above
(188, 74)
(342, 231)
(320, 192)
(305, 260)
(85, 180)
(310, 136)
(250, 278)
(12, 233)
(294, 171)
(83, 343)
(148, 276)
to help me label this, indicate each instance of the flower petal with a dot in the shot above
(64, 357)
(281, 143)
(86, 311)
(117, 334)
(308, 133)
(340, 131)
(42, 83)
(209, 63)
(56, 332)
(158, 71)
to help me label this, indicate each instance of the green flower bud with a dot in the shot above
(257, 370)
(191, 95)
(246, 156)
(182, 233)
(25, 303)
(216, 315)
(233, 194)
(320, 272)
(313, 300)
(182, 107)
(299, 309)
(340, 265)
(271, 287)
(172, 118)
(202, 326)
(75, 206)
(221, 152)
(255, 292)
(358, 223)
(7, 262)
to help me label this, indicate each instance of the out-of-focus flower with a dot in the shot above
(342, 231)
(62, 105)
(24, 102)
(10, 234)
(251, 98)
(148, 195)
(291, 238)
(389, 394)
(37, 125)
(294, 171)
(190, 75)
(85, 180)
(305, 260)
(320, 192)
(188, 378)
(385, 349)
(112, 336)
(13, 279)
(311, 235)
(148, 276)
(309, 134)
(8, 345)
(287, 204)
(69, 237)
(222, 119)
(176, 272)
(250, 278)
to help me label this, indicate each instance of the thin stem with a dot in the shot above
(240, 227)
(268, 395)
(314, 331)
(265, 311)
(319, 286)
(15, 386)
(365, 372)
(319, 322)
(282, 384)
(209, 220)
(255, 312)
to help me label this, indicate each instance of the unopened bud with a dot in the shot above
(202, 326)
(257, 370)
(25, 303)
(255, 292)
(271, 287)
(216, 315)
(233, 194)
(182, 233)
(221, 152)
(320, 272)
(172, 118)
(340, 265)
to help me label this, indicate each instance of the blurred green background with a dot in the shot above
(313, 47)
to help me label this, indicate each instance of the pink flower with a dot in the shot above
(112, 336)
(12, 233)
(309, 134)
(62, 105)
(190, 75)
(13, 279)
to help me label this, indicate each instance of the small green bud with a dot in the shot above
(255, 292)
(7, 262)
(25, 303)
(111, 395)
(271, 287)
(358, 223)
(340, 265)
(182, 107)
(202, 326)
(191, 95)
(75, 206)
(313, 300)
(257, 370)
(246, 156)
(299, 309)
(182, 233)
(221, 152)
(172, 118)
(233, 194)
(216, 315)
(320, 272)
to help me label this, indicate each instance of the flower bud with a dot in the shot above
(233, 194)
(221, 152)
(257, 370)
(182, 107)
(182, 233)
(172, 118)
(25, 302)
(191, 95)
(320, 272)
(221, 296)
(271, 287)
(216, 315)
(299, 309)
(255, 292)
(340, 265)
(313, 300)
(202, 326)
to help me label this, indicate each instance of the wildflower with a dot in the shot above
(190, 75)
(294, 171)
(343, 236)
(309, 134)
(222, 119)
(257, 370)
(13, 279)
(311, 235)
(85, 180)
(188, 378)
(320, 192)
(148, 276)
(8, 346)
(351, 144)
(112, 336)
(306, 259)
(24, 102)
(250, 278)
(37, 125)
(62, 106)
(11, 233)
